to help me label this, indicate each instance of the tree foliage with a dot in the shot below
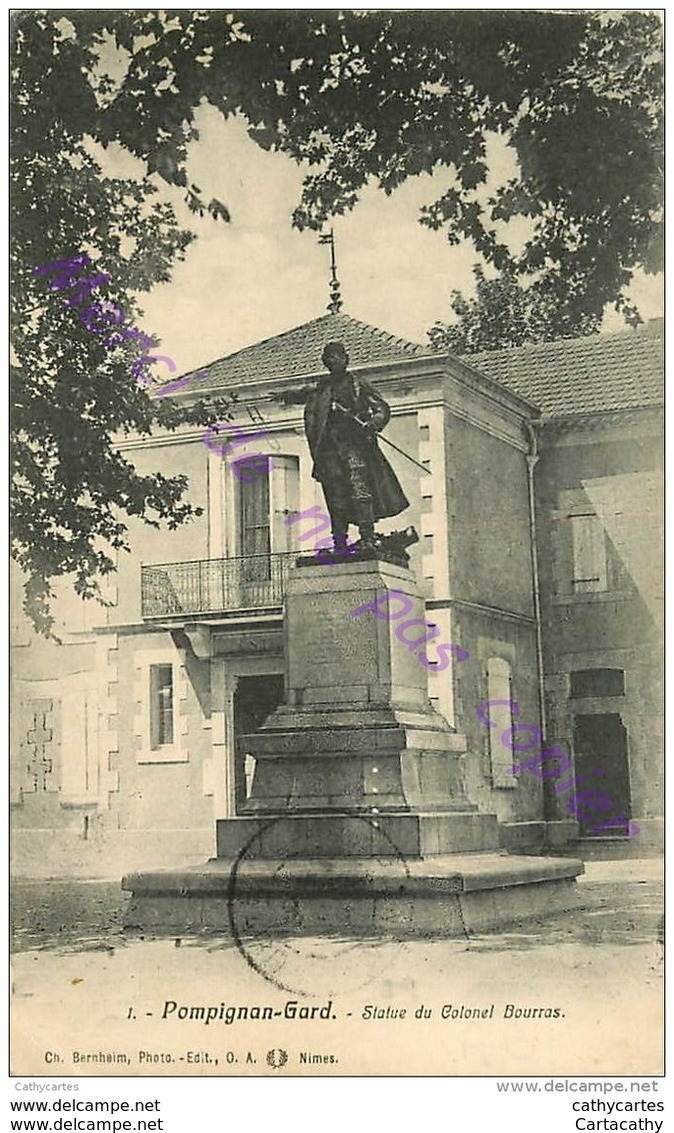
(575, 96)
(362, 97)
(504, 314)
(72, 394)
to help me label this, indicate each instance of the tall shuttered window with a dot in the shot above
(589, 554)
(254, 522)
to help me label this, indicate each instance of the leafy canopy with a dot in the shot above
(504, 314)
(381, 96)
(363, 97)
(72, 394)
(574, 97)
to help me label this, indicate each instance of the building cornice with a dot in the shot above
(490, 427)
(220, 623)
(612, 425)
(439, 393)
(480, 608)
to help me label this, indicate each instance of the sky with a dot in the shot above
(256, 276)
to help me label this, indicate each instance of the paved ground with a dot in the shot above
(579, 993)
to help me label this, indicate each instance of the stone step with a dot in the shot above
(442, 896)
(326, 835)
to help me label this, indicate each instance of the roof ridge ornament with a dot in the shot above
(335, 304)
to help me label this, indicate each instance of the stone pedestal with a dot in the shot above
(357, 734)
(358, 806)
(357, 730)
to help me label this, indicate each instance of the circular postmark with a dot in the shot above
(271, 931)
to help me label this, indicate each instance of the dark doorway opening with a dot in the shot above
(255, 699)
(601, 764)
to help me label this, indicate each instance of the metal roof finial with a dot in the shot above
(335, 304)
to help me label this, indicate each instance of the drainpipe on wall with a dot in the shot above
(532, 458)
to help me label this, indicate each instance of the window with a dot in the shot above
(285, 503)
(499, 687)
(597, 682)
(589, 554)
(161, 706)
(160, 695)
(254, 523)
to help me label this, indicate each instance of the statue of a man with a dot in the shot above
(342, 417)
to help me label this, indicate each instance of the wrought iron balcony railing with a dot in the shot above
(214, 585)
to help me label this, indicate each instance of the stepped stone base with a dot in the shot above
(447, 896)
(358, 821)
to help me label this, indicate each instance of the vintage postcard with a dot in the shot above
(337, 407)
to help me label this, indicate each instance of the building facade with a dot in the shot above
(538, 519)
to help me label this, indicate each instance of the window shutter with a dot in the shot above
(254, 526)
(499, 687)
(589, 554)
(285, 501)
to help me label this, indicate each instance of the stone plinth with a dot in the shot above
(358, 821)
(381, 835)
(357, 730)
(448, 896)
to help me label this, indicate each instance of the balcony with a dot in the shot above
(214, 586)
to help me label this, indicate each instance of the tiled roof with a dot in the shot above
(298, 351)
(623, 370)
(601, 372)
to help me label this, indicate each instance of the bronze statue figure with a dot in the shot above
(342, 417)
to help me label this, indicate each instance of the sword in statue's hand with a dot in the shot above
(365, 425)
